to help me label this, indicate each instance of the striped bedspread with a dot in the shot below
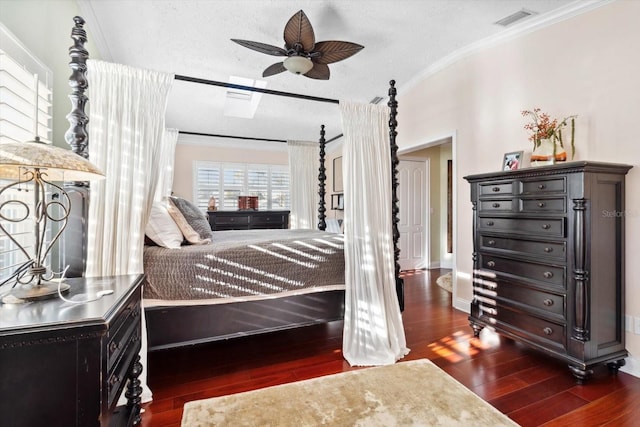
(244, 265)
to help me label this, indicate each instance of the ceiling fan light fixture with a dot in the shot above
(298, 64)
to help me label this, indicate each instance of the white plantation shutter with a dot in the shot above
(25, 112)
(227, 181)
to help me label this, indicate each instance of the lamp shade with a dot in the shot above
(298, 64)
(56, 163)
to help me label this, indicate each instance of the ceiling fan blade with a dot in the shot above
(274, 69)
(334, 51)
(319, 72)
(299, 30)
(262, 47)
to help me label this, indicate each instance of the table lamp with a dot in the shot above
(33, 167)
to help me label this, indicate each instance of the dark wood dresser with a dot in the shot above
(549, 260)
(66, 364)
(247, 220)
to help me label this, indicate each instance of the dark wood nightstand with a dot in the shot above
(64, 364)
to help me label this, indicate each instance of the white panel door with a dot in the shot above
(412, 202)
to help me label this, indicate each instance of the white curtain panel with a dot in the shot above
(166, 160)
(126, 133)
(373, 328)
(126, 129)
(303, 179)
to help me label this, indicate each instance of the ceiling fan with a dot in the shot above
(304, 55)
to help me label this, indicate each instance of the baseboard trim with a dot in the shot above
(632, 366)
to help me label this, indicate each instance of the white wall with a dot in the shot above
(587, 65)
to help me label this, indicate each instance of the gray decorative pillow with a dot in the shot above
(193, 216)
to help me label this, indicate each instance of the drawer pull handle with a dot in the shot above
(546, 226)
(114, 380)
(490, 223)
(541, 186)
(113, 346)
(547, 330)
(548, 302)
(541, 205)
(491, 264)
(548, 275)
(495, 189)
(548, 249)
(491, 242)
(496, 205)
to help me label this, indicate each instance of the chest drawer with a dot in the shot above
(541, 186)
(494, 189)
(124, 327)
(533, 226)
(532, 299)
(496, 205)
(550, 250)
(231, 219)
(267, 220)
(552, 205)
(534, 328)
(539, 272)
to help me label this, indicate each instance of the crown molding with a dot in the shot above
(95, 30)
(530, 25)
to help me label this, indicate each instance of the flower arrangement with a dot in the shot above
(543, 127)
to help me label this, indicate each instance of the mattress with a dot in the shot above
(241, 265)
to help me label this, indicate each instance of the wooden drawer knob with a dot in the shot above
(490, 223)
(547, 331)
(546, 226)
(541, 205)
(491, 242)
(113, 346)
(496, 205)
(547, 275)
(548, 249)
(495, 189)
(541, 186)
(548, 302)
(491, 264)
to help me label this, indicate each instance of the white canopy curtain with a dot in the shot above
(373, 328)
(126, 131)
(303, 162)
(166, 160)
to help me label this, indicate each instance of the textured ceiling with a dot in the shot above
(402, 40)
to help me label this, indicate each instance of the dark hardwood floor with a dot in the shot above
(531, 388)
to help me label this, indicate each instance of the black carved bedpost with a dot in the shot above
(76, 136)
(393, 124)
(322, 177)
(73, 250)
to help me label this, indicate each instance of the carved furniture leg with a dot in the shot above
(134, 391)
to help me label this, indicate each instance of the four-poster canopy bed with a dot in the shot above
(172, 324)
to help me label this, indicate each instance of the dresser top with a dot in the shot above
(556, 169)
(54, 313)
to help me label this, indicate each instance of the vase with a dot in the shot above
(547, 152)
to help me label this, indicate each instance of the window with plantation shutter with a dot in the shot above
(227, 181)
(25, 112)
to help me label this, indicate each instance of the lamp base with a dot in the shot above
(47, 289)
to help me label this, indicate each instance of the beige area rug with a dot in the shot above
(415, 393)
(446, 282)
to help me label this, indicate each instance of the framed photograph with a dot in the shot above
(512, 161)
(337, 202)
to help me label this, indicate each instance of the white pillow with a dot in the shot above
(162, 229)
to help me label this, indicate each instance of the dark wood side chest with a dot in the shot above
(549, 260)
(66, 364)
(247, 220)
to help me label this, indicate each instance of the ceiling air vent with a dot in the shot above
(376, 100)
(514, 17)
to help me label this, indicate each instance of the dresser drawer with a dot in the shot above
(551, 250)
(533, 226)
(270, 220)
(551, 205)
(124, 327)
(532, 299)
(231, 220)
(532, 327)
(494, 189)
(541, 186)
(543, 273)
(496, 205)
(118, 376)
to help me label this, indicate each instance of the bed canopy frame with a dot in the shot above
(77, 137)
